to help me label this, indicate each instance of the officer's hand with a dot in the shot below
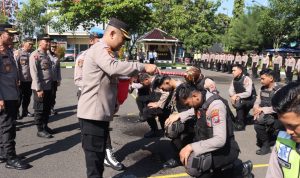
(172, 118)
(151, 68)
(40, 94)
(153, 105)
(185, 153)
(1, 105)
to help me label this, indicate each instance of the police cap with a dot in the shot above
(44, 37)
(8, 28)
(96, 32)
(30, 40)
(121, 26)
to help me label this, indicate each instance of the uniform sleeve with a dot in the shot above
(294, 63)
(163, 98)
(186, 115)
(33, 65)
(217, 113)
(280, 62)
(114, 67)
(77, 76)
(248, 87)
(231, 90)
(258, 100)
(274, 170)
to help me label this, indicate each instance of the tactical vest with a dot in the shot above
(267, 95)
(238, 84)
(24, 64)
(224, 155)
(287, 156)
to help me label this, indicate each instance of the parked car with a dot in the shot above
(70, 54)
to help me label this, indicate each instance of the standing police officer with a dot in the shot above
(290, 63)
(22, 58)
(41, 74)
(98, 101)
(254, 65)
(277, 64)
(285, 157)
(56, 73)
(242, 94)
(266, 122)
(9, 94)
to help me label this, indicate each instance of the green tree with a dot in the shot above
(192, 21)
(243, 34)
(33, 17)
(280, 22)
(238, 8)
(3, 18)
(136, 13)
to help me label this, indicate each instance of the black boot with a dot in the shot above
(171, 163)
(247, 169)
(16, 163)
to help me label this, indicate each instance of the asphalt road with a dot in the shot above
(62, 156)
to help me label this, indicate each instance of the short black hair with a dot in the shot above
(185, 90)
(238, 66)
(159, 80)
(268, 72)
(287, 99)
(143, 76)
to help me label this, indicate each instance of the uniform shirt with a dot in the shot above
(100, 80)
(266, 110)
(8, 77)
(255, 58)
(40, 70)
(22, 58)
(216, 116)
(290, 62)
(238, 59)
(245, 59)
(278, 60)
(56, 72)
(78, 69)
(247, 85)
(212, 57)
(266, 61)
(274, 169)
(298, 65)
(150, 55)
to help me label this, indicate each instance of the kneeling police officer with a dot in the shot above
(208, 147)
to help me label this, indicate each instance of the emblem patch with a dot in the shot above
(283, 155)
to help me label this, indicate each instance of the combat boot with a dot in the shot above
(247, 169)
(265, 149)
(111, 161)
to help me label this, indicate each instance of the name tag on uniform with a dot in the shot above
(283, 155)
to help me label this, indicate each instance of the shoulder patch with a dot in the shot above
(246, 81)
(110, 52)
(215, 117)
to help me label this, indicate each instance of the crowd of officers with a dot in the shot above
(23, 72)
(223, 62)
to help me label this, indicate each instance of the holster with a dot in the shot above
(197, 165)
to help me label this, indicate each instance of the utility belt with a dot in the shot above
(242, 102)
(218, 160)
(265, 119)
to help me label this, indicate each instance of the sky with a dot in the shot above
(227, 5)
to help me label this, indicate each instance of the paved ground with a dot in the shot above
(62, 156)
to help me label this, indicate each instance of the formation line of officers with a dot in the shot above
(223, 62)
(23, 72)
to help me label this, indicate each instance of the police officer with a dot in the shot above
(265, 62)
(22, 58)
(290, 63)
(56, 73)
(285, 157)
(98, 101)
(42, 75)
(230, 61)
(277, 64)
(9, 93)
(238, 58)
(242, 95)
(209, 145)
(95, 35)
(245, 62)
(254, 64)
(212, 57)
(266, 122)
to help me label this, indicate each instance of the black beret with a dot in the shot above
(44, 37)
(8, 28)
(28, 40)
(121, 26)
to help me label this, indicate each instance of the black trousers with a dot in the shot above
(8, 129)
(162, 117)
(229, 67)
(289, 74)
(42, 107)
(53, 93)
(151, 60)
(277, 72)
(242, 112)
(93, 138)
(254, 70)
(25, 95)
